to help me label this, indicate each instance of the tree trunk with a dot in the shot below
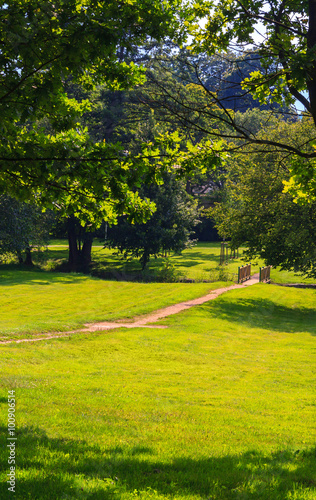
(79, 259)
(144, 260)
(28, 257)
(73, 258)
(85, 253)
(188, 187)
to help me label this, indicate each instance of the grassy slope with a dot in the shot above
(220, 405)
(33, 301)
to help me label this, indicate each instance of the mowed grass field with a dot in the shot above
(201, 262)
(219, 404)
(33, 302)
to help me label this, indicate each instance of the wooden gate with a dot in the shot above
(264, 274)
(244, 273)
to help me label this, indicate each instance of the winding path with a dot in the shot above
(145, 320)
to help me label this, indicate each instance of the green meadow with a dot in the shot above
(218, 404)
(199, 263)
(33, 302)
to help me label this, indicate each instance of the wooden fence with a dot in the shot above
(264, 274)
(244, 273)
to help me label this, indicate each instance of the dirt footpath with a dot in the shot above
(146, 320)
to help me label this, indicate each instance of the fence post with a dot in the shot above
(264, 274)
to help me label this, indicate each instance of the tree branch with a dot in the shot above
(29, 75)
(273, 21)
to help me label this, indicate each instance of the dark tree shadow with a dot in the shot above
(251, 475)
(194, 258)
(264, 313)
(11, 276)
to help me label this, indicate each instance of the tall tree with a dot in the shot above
(169, 229)
(45, 154)
(44, 44)
(23, 227)
(256, 212)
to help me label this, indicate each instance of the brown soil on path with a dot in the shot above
(146, 320)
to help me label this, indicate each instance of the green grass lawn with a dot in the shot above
(33, 302)
(219, 405)
(199, 263)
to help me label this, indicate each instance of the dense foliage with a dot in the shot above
(169, 229)
(283, 34)
(257, 212)
(45, 154)
(74, 137)
(23, 227)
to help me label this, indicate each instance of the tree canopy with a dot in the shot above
(44, 42)
(282, 33)
(255, 211)
(265, 49)
(58, 58)
(169, 229)
(23, 227)
(44, 152)
(245, 52)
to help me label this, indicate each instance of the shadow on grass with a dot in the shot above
(187, 262)
(193, 258)
(11, 275)
(266, 314)
(59, 468)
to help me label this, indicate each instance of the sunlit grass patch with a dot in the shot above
(219, 405)
(201, 262)
(34, 301)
